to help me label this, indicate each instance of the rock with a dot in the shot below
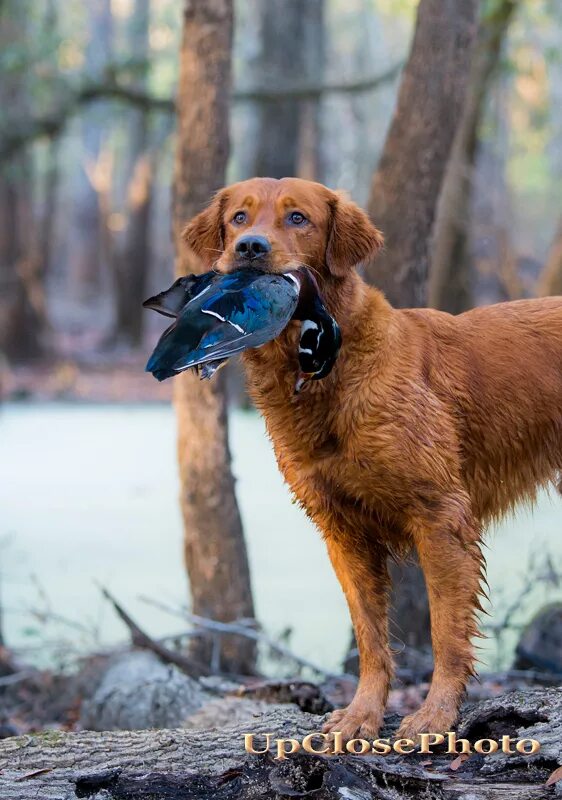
(138, 692)
(540, 645)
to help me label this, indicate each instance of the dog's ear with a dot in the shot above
(352, 238)
(204, 234)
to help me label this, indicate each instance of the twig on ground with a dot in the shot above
(241, 628)
(18, 677)
(141, 639)
(531, 675)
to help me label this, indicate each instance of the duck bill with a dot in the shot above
(303, 377)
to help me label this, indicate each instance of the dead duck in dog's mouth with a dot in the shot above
(219, 315)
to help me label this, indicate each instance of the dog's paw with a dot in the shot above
(427, 719)
(358, 720)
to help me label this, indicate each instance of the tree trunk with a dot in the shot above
(22, 309)
(550, 280)
(86, 253)
(132, 261)
(215, 551)
(409, 625)
(51, 180)
(450, 284)
(23, 324)
(291, 52)
(403, 202)
(309, 165)
(199, 764)
(406, 186)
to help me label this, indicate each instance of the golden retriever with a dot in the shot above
(429, 426)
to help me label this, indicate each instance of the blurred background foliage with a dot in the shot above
(87, 137)
(87, 150)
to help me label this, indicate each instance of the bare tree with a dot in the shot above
(86, 250)
(132, 262)
(291, 53)
(403, 202)
(450, 276)
(51, 179)
(23, 325)
(309, 163)
(215, 552)
(407, 183)
(550, 279)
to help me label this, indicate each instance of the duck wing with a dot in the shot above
(242, 318)
(171, 301)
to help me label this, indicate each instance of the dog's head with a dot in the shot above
(278, 225)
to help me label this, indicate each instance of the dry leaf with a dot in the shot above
(454, 765)
(554, 777)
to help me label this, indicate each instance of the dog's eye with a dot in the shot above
(239, 218)
(296, 218)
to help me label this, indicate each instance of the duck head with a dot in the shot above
(320, 338)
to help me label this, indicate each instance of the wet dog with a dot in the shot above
(428, 426)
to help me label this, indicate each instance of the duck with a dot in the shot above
(225, 315)
(217, 316)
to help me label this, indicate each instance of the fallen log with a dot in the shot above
(198, 764)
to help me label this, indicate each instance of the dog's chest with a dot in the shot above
(303, 428)
(311, 433)
(318, 435)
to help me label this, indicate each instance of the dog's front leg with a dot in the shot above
(360, 565)
(453, 566)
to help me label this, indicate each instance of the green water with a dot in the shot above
(88, 496)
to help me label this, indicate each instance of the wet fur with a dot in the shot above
(428, 427)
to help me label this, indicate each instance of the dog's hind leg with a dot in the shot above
(360, 565)
(450, 557)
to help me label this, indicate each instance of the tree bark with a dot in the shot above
(215, 551)
(450, 286)
(23, 326)
(403, 202)
(291, 47)
(309, 164)
(199, 764)
(406, 186)
(281, 54)
(550, 279)
(409, 624)
(84, 277)
(51, 180)
(133, 260)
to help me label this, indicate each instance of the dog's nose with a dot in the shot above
(251, 247)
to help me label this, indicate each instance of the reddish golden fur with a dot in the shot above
(428, 426)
